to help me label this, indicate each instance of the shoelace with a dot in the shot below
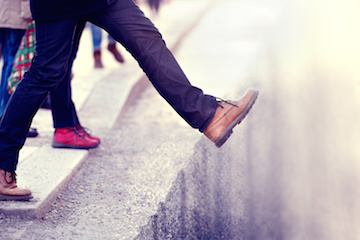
(220, 100)
(77, 132)
(12, 177)
(80, 131)
(83, 130)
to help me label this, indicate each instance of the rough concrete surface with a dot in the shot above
(290, 170)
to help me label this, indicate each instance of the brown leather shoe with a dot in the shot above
(228, 114)
(9, 190)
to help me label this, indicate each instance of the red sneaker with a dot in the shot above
(71, 137)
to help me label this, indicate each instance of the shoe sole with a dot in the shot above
(15, 198)
(64, 145)
(229, 130)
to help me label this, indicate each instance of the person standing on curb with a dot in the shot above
(69, 133)
(97, 38)
(56, 22)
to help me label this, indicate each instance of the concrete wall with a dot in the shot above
(211, 197)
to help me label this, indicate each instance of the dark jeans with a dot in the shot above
(63, 108)
(64, 112)
(54, 47)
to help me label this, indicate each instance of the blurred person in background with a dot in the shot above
(97, 38)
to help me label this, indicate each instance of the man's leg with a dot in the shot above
(68, 131)
(127, 24)
(63, 108)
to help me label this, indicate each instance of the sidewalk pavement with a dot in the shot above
(100, 96)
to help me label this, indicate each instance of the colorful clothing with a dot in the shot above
(23, 58)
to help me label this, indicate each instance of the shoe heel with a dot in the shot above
(221, 140)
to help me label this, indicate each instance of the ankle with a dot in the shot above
(7, 178)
